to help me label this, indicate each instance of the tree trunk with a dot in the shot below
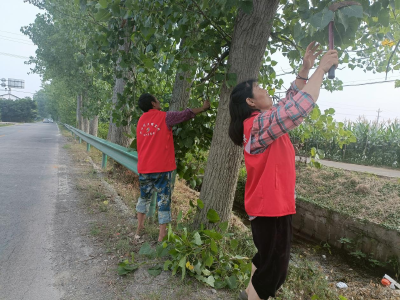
(85, 126)
(79, 119)
(182, 87)
(248, 46)
(180, 92)
(94, 126)
(118, 135)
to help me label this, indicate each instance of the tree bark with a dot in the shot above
(181, 92)
(94, 126)
(118, 135)
(79, 119)
(182, 87)
(85, 125)
(249, 41)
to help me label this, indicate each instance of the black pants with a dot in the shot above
(273, 238)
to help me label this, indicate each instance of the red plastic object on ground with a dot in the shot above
(385, 282)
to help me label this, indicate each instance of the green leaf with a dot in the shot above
(210, 280)
(102, 15)
(197, 239)
(148, 63)
(231, 282)
(298, 32)
(155, 271)
(224, 226)
(209, 261)
(124, 268)
(182, 262)
(213, 234)
(197, 268)
(384, 17)
(167, 264)
(315, 114)
(148, 32)
(179, 217)
(146, 250)
(104, 3)
(212, 216)
(193, 183)
(397, 84)
(353, 11)
(313, 151)
(330, 111)
(115, 9)
(161, 250)
(343, 19)
(200, 204)
(321, 19)
(234, 244)
(213, 246)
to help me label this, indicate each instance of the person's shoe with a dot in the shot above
(243, 295)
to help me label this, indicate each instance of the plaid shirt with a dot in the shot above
(287, 114)
(176, 117)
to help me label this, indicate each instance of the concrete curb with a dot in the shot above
(320, 224)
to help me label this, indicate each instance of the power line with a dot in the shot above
(359, 84)
(10, 40)
(17, 39)
(341, 107)
(368, 83)
(12, 33)
(14, 91)
(13, 55)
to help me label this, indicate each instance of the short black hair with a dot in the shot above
(145, 101)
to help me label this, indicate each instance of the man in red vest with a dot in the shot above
(156, 157)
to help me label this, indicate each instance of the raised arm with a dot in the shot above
(313, 86)
(270, 125)
(308, 62)
(176, 117)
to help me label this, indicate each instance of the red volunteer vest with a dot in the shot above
(271, 177)
(155, 144)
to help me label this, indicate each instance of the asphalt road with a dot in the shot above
(28, 193)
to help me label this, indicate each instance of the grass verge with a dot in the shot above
(360, 195)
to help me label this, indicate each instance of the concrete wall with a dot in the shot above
(317, 223)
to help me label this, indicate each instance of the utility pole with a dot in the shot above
(378, 111)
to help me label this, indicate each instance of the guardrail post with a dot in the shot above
(80, 140)
(104, 161)
(87, 147)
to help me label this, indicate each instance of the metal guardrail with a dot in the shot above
(125, 156)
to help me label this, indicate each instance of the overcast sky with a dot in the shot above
(350, 103)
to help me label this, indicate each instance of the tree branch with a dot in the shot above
(278, 36)
(219, 63)
(390, 58)
(219, 29)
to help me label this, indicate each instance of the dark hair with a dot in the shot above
(240, 110)
(145, 102)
